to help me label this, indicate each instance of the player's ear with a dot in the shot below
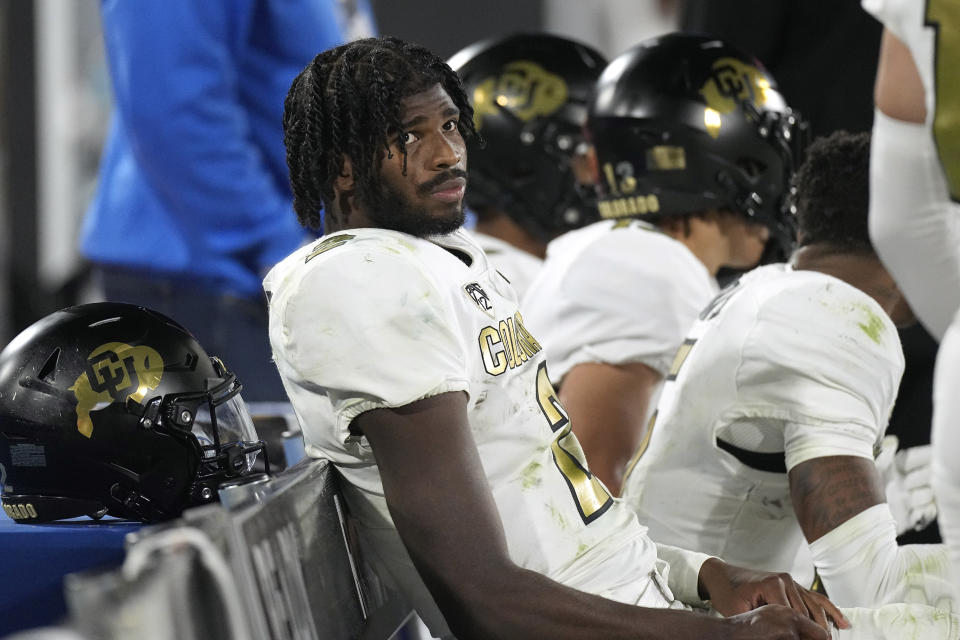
(345, 181)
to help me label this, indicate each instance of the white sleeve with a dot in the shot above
(899, 621)
(372, 329)
(802, 442)
(683, 578)
(914, 225)
(862, 566)
(945, 440)
(629, 303)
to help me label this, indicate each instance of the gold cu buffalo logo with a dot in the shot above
(115, 371)
(732, 81)
(524, 87)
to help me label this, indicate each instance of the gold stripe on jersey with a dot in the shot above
(589, 494)
(682, 352)
(642, 448)
(326, 244)
(506, 346)
(549, 402)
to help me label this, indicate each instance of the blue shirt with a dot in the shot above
(193, 182)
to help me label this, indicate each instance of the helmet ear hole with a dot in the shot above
(48, 371)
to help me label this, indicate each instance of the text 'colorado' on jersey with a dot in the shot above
(506, 345)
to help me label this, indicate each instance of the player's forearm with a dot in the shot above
(524, 604)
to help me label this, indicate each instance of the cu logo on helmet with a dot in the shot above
(523, 87)
(114, 372)
(732, 81)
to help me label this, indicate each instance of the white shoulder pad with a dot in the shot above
(373, 291)
(820, 350)
(628, 295)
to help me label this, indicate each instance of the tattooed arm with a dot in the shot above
(826, 492)
(841, 507)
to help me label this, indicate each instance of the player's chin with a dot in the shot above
(448, 219)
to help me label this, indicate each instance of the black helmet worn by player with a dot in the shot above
(110, 408)
(686, 123)
(530, 94)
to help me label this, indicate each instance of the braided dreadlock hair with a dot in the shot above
(345, 103)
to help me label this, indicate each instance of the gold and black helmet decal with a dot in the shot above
(732, 82)
(524, 87)
(114, 372)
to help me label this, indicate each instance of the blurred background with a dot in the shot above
(55, 104)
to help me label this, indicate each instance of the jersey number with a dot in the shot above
(589, 494)
(945, 15)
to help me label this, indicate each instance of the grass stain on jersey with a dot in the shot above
(558, 516)
(926, 580)
(409, 246)
(530, 476)
(874, 327)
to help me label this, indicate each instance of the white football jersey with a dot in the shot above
(616, 292)
(516, 265)
(371, 318)
(786, 365)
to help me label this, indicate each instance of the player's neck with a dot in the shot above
(861, 270)
(847, 266)
(704, 240)
(500, 226)
(348, 216)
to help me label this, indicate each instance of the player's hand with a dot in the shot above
(733, 590)
(906, 475)
(774, 622)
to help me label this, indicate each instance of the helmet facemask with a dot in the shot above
(215, 423)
